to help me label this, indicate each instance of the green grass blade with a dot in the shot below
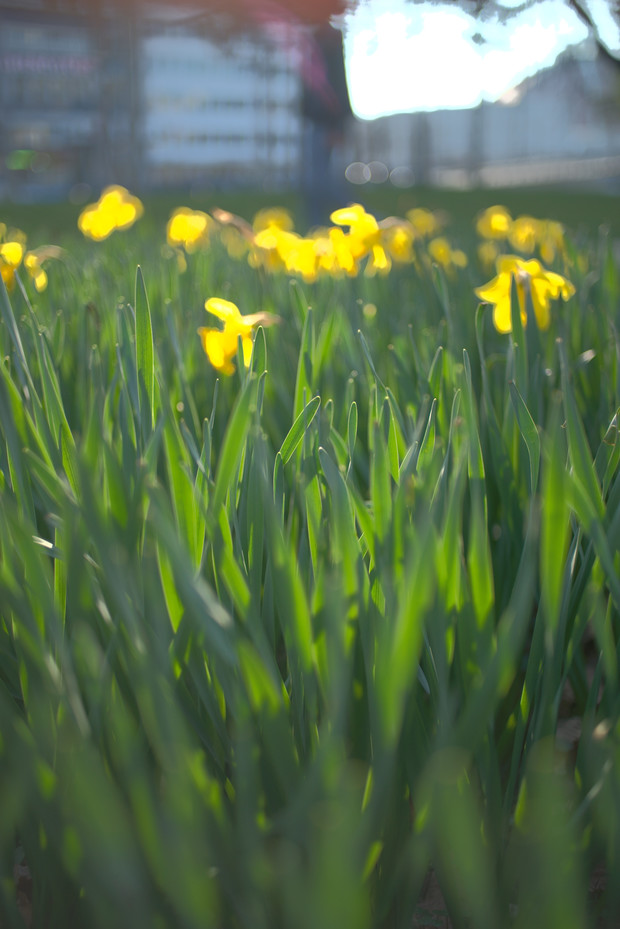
(608, 455)
(580, 454)
(18, 473)
(145, 355)
(479, 562)
(475, 459)
(380, 483)
(258, 363)
(299, 428)
(435, 374)
(427, 445)
(554, 522)
(368, 357)
(351, 431)
(528, 430)
(6, 311)
(232, 446)
(344, 549)
(305, 364)
(518, 343)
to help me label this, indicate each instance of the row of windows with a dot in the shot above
(220, 95)
(44, 39)
(202, 158)
(62, 92)
(58, 90)
(204, 64)
(194, 104)
(45, 136)
(166, 172)
(73, 65)
(233, 138)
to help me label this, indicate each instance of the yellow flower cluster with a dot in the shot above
(530, 277)
(220, 345)
(188, 229)
(355, 242)
(273, 216)
(442, 252)
(12, 243)
(13, 253)
(115, 209)
(525, 234)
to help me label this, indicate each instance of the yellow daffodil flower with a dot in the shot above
(11, 254)
(550, 240)
(124, 206)
(379, 262)
(188, 228)
(488, 253)
(271, 248)
(32, 263)
(279, 249)
(542, 285)
(449, 258)
(273, 216)
(524, 233)
(494, 223)
(364, 232)
(440, 251)
(220, 345)
(333, 255)
(235, 243)
(300, 257)
(115, 209)
(397, 237)
(423, 222)
(324, 252)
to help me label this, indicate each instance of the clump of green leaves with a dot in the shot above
(272, 647)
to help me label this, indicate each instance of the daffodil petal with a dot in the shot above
(223, 309)
(541, 292)
(559, 285)
(348, 215)
(495, 290)
(502, 319)
(247, 345)
(12, 252)
(216, 347)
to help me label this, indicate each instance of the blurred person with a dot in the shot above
(306, 31)
(326, 110)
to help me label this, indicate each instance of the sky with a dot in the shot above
(403, 56)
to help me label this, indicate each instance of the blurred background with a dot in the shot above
(259, 96)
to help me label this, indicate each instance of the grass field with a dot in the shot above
(578, 209)
(318, 608)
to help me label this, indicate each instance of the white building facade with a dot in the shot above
(561, 125)
(224, 110)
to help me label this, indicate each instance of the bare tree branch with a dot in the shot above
(584, 15)
(484, 10)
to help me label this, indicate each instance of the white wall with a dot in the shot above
(565, 114)
(229, 106)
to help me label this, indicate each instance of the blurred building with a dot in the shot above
(152, 94)
(223, 111)
(561, 125)
(66, 103)
(141, 94)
